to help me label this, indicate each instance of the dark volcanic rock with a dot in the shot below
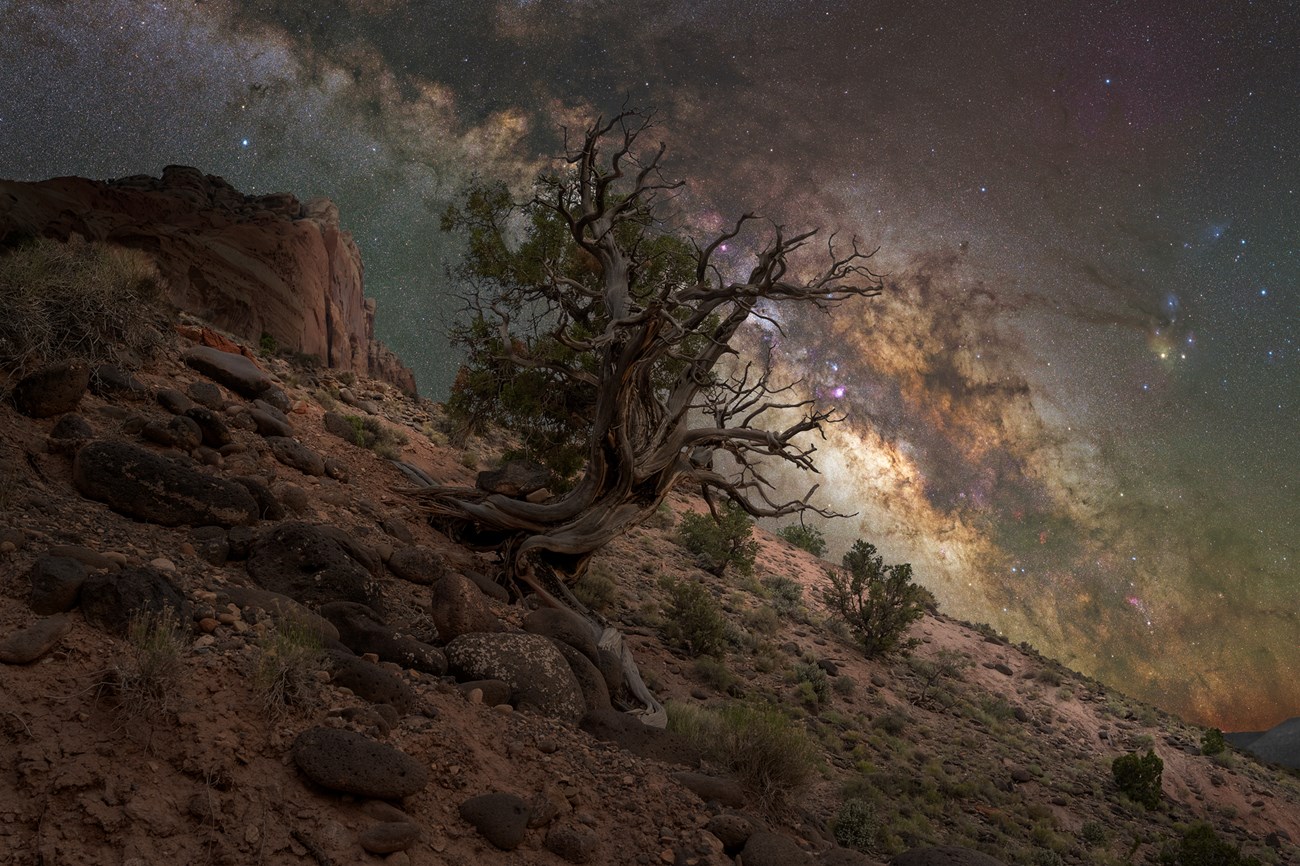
(517, 478)
(595, 693)
(72, 429)
(29, 644)
(282, 609)
(141, 484)
(56, 583)
(213, 429)
(502, 819)
(268, 425)
(302, 561)
(293, 453)
(370, 682)
(268, 505)
(174, 401)
(362, 630)
(574, 844)
(629, 734)
(417, 564)
(52, 390)
(389, 837)
(206, 393)
(538, 675)
(176, 432)
(108, 380)
(732, 830)
(564, 626)
(944, 855)
(773, 849)
(110, 599)
(355, 764)
(458, 608)
(712, 788)
(236, 372)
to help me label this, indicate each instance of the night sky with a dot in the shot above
(1076, 409)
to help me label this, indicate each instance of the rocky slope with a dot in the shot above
(440, 722)
(252, 265)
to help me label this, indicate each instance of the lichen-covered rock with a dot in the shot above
(302, 561)
(362, 630)
(355, 764)
(538, 675)
(417, 564)
(291, 452)
(52, 390)
(110, 599)
(458, 608)
(155, 489)
(56, 582)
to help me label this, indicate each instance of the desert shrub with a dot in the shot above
(843, 685)
(1212, 742)
(763, 619)
(1092, 834)
(1139, 777)
(721, 543)
(75, 299)
(596, 588)
(803, 537)
(819, 686)
(879, 602)
(146, 676)
(770, 755)
(1201, 846)
(291, 655)
(695, 622)
(893, 722)
(714, 672)
(327, 400)
(370, 432)
(855, 825)
(932, 672)
(267, 345)
(786, 594)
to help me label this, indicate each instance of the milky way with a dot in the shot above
(1075, 410)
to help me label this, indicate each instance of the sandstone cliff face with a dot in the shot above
(252, 265)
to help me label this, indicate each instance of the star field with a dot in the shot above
(1075, 411)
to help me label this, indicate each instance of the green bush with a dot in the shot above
(75, 299)
(803, 537)
(596, 588)
(786, 594)
(719, 544)
(1212, 742)
(879, 602)
(1139, 777)
(819, 686)
(855, 825)
(370, 432)
(695, 622)
(1201, 846)
(1092, 834)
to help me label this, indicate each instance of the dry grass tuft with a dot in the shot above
(286, 677)
(146, 676)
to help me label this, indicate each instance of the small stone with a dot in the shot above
(208, 625)
(500, 818)
(162, 563)
(389, 837)
(355, 764)
(29, 644)
(574, 844)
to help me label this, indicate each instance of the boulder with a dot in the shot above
(56, 583)
(595, 693)
(108, 380)
(572, 843)
(338, 424)
(727, 792)
(944, 855)
(268, 425)
(236, 372)
(155, 489)
(418, 565)
(845, 857)
(52, 390)
(362, 630)
(492, 692)
(206, 394)
(773, 849)
(355, 764)
(109, 600)
(458, 608)
(370, 682)
(282, 609)
(518, 478)
(31, 643)
(176, 432)
(628, 733)
(502, 819)
(214, 431)
(538, 675)
(302, 561)
(389, 837)
(565, 626)
(174, 401)
(72, 428)
(291, 452)
(268, 506)
(732, 830)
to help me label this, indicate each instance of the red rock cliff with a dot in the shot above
(252, 265)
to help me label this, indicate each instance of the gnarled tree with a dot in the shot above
(624, 327)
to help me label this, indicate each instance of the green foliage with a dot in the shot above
(715, 673)
(1092, 834)
(596, 588)
(1212, 742)
(1139, 777)
(786, 594)
(1201, 846)
(721, 543)
(75, 299)
(267, 344)
(695, 622)
(818, 684)
(768, 753)
(879, 602)
(855, 825)
(807, 538)
(370, 432)
(515, 254)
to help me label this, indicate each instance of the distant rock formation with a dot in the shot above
(251, 265)
(1278, 745)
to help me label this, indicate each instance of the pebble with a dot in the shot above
(208, 625)
(8, 547)
(162, 563)
(204, 641)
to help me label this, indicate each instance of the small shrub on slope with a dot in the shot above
(291, 655)
(879, 602)
(804, 537)
(722, 543)
(1201, 846)
(1212, 742)
(1139, 777)
(695, 622)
